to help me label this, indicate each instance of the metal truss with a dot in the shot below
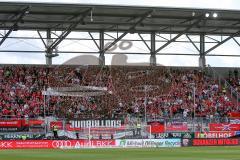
(179, 35)
(68, 30)
(145, 15)
(144, 41)
(127, 53)
(20, 16)
(195, 46)
(236, 41)
(222, 42)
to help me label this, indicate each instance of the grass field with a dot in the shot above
(192, 153)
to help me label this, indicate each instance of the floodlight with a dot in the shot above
(193, 14)
(207, 15)
(215, 15)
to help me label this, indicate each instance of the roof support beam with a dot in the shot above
(162, 37)
(222, 42)
(202, 58)
(48, 55)
(68, 30)
(236, 41)
(213, 39)
(20, 17)
(110, 35)
(90, 34)
(101, 47)
(193, 43)
(133, 53)
(42, 39)
(153, 59)
(179, 35)
(129, 30)
(144, 41)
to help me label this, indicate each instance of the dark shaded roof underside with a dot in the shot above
(118, 18)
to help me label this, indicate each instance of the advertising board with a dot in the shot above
(215, 142)
(176, 127)
(224, 127)
(224, 134)
(148, 143)
(168, 135)
(55, 144)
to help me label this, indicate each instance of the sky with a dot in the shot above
(229, 47)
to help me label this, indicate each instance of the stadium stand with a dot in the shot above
(165, 92)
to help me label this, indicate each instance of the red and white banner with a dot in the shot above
(20, 123)
(36, 122)
(176, 127)
(214, 134)
(56, 144)
(224, 127)
(59, 124)
(235, 114)
(156, 127)
(11, 123)
(235, 121)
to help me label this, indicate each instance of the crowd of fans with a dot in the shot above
(234, 80)
(158, 91)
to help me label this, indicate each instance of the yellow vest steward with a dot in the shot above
(55, 128)
(138, 125)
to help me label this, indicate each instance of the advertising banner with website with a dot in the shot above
(21, 135)
(224, 127)
(56, 144)
(223, 134)
(148, 143)
(210, 142)
(216, 142)
(176, 127)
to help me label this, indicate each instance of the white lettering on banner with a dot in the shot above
(77, 145)
(176, 134)
(215, 134)
(8, 122)
(88, 123)
(95, 123)
(61, 144)
(235, 121)
(6, 145)
(81, 143)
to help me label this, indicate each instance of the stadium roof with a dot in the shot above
(79, 17)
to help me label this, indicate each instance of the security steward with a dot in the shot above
(224, 90)
(139, 129)
(55, 132)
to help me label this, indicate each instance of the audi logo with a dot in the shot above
(60, 144)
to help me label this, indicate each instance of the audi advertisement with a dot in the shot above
(56, 144)
(75, 144)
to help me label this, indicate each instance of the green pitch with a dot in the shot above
(193, 153)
